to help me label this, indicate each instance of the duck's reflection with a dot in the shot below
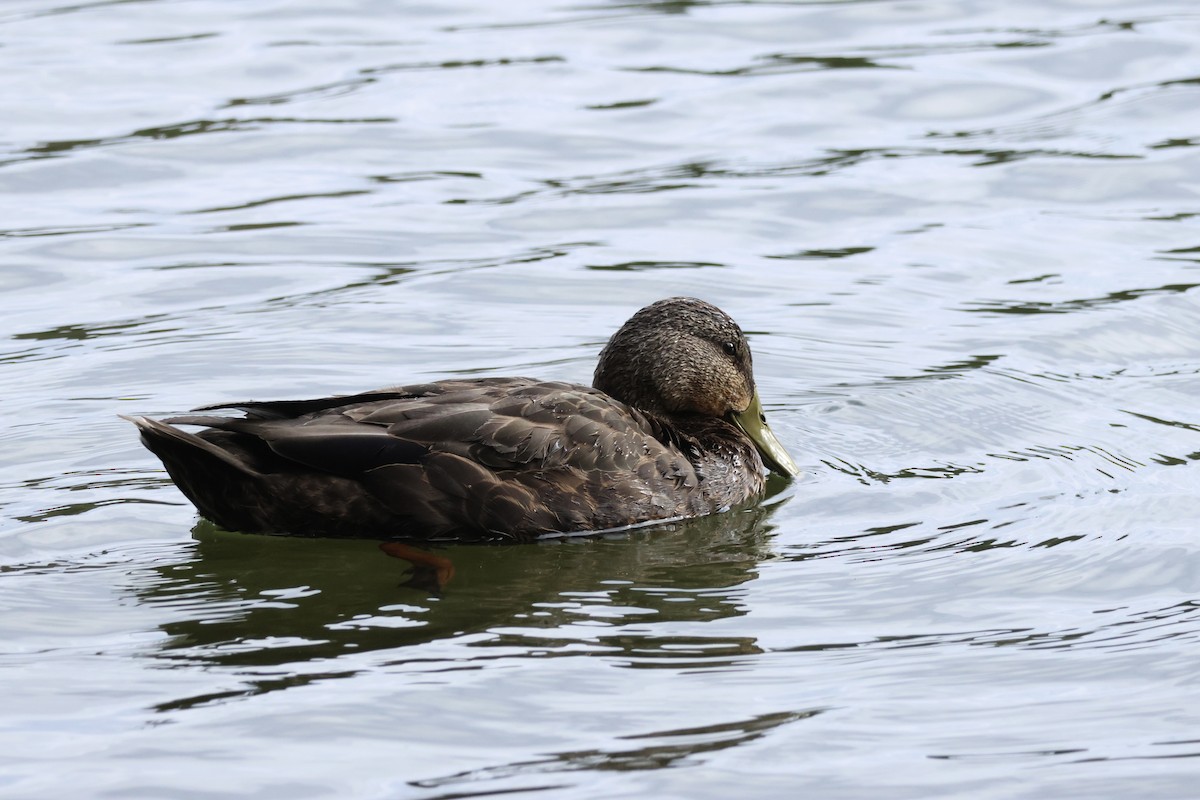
(250, 601)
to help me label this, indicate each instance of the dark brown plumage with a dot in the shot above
(673, 428)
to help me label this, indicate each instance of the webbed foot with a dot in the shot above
(430, 572)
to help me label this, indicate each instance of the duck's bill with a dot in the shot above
(754, 424)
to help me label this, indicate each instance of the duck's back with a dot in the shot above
(499, 457)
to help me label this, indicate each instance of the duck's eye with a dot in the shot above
(729, 347)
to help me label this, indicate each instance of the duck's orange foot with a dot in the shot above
(430, 573)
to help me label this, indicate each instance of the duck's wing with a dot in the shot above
(441, 392)
(351, 434)
(289, 409)
(500, 456)
(521, 424)
(545, 457)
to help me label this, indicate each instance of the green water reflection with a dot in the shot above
(251, 602)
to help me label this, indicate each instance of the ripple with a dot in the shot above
(1066, 306)
(59, 148)
(638, 266)
(464, 64)
(288, 198)
(1126, 630)
(1131, 106)
(337, 89)
(666, 749)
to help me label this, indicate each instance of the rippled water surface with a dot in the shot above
(962, 235)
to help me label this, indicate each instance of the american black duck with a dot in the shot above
(671, 428)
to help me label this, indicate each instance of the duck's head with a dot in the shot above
(684, 356)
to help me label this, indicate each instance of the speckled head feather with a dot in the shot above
(678, 356)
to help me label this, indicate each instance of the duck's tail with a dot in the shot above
(212, 478)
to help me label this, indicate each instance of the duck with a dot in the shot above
(672, 427)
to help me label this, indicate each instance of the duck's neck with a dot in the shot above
(702, 437)
(728, 464)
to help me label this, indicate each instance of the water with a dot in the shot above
(963, 236)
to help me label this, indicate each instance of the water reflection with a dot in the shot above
(254, 602)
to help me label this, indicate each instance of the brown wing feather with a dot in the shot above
(545, 457)
(464, 458)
